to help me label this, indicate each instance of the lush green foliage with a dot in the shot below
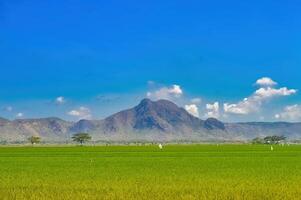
(81, 137)
(34, 139)
(146, 172)
(274, 139)
(258, 140)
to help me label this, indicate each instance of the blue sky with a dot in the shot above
(103, 56)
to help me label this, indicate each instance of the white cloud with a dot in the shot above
(81, 113)
(20, 115)
(192, 109)
(196, 100)
(213, 110)
(265, 81)
(272, 92)
(60, 100)
(246, 106)
(168, 93)
(176, 90)
(260, 96)
(290, 113)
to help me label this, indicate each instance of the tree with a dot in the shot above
(257, 140)
(81, 138)
(274, 139)
(34, 140)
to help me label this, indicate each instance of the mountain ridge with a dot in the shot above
(149, 120)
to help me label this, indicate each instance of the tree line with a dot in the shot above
(80, 138)
(274, 139)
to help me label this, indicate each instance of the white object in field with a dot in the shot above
(160, 146)
(272, 148)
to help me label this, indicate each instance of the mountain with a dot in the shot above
(250, 130)
(3, 121)
(152, 120)
(160, 116)
(212, 123)
(149, 120)
(50, 129)
(164, 120)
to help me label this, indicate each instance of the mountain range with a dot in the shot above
(149, 121)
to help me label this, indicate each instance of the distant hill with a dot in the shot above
(50, 129)
(149, 120)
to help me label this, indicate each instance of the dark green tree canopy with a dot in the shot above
(258, 140)
(274, 139)
(81, 137)
(34, 139)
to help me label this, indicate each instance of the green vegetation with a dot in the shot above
(34, 140)
(81, 138)
(258, 140)
(146, 172)
(274, 139)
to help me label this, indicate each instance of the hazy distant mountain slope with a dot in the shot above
(119, 122)
(149, 120)
(212, 123)
(3, 121)
(254, 129)
(84, 126)
(51, 129)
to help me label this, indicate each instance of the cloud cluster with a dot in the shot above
(264, 93)
(81, 113)
(253, 103)
(10, 109)
(192, 109)
(267, 90)
(213, 110)
(60, 100)
(266, 82)
(168, 93)
(292, 113)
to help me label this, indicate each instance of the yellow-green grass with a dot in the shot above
(146, 172)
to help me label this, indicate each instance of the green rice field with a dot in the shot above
(146, 172)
